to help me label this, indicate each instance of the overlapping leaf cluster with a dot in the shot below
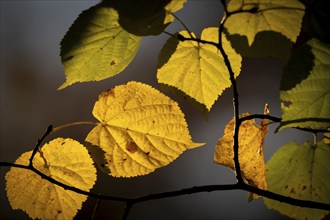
(140, 129)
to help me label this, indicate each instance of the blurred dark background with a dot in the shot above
(31, 71)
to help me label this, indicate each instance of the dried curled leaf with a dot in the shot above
(141, 129)
(64, 160)
(251, 151)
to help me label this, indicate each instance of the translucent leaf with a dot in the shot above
(301, 172)
(172, 7)
(141, 129)
(305, 91)
(96, 46)
(281, 16)
(268, 30)
(68, 162)
(197, 69)
(251, 151)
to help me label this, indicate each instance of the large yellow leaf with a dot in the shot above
(68, 162)
(251, 151)
(280, 16)
(197, 69)
(141, 129)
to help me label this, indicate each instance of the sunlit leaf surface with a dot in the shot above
(305, 90)
(301, 172)
(197, 69)
(64, 160)
(96, 47)
(280, 16)
(251, 151)
(140, 129)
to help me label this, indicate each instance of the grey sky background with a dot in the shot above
(31, 71)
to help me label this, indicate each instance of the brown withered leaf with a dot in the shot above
(251, 151)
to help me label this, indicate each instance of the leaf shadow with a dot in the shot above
(265, 44)
(98, 156)
(167, 50)
(141, 18)
(298, 67)
(167, 89)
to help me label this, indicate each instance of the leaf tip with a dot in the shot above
(64, 85)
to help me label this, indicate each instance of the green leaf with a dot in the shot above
(301, 172)
(96, 46)
(261, 28)
(197, 69)
(305, 90)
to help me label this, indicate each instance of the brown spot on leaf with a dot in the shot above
(107, 93)
(292, 191)
(304, 187)
(113, 62)
(131, 147)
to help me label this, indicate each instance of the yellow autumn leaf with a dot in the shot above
(171, 7)
(141, 129)
(197, 69)
(64, 160)
(251, 151)
(280, 16)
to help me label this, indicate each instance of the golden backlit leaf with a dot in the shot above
(197, 69)
(141, 129)
(171, 7)
(251, 151)
(68, 162)
(280, 16)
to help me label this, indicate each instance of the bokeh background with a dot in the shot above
(31, 71)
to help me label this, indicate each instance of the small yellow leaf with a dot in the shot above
(141, 129)
(171, 7)
(251, 151)
(68, 162)
(197, 69)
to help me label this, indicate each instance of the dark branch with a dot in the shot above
(187, 191)
(235, 99)
(39, 142)
(260, 116)
(128, 208)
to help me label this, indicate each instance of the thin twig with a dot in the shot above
(96, 207)
(73, 124)
(181, 22)
(128, 208)
(36, 148)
